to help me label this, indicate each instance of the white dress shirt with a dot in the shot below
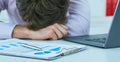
(78, 18)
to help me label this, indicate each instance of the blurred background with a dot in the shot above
(102, 12)
(102, 8)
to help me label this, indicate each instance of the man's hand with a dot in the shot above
(53, 32)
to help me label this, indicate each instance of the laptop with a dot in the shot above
(110, 40)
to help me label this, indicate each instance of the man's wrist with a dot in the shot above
(21, 32)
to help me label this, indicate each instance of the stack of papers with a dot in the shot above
(37, 50)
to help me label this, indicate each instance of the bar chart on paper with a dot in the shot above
(46, 51)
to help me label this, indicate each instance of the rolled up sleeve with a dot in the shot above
(6, 30)
(78, 18)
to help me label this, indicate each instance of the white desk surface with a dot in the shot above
(92, 54)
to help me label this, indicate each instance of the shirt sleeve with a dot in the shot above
(78, 18)
(5, 28)
(2, 5)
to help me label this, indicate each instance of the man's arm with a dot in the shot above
(78, 18)
(52, 32)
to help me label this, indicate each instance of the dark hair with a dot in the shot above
(42, 13)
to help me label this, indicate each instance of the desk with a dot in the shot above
(92, 54)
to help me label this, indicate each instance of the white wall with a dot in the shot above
(98, 15)
(4, 16)
(98, 11)
(98, 8)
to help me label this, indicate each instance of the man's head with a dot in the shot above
(42, 13)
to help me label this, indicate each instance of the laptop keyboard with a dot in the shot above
(102, 40)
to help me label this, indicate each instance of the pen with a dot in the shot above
(71, 51)
(31, 46)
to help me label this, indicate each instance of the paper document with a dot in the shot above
(37, 50)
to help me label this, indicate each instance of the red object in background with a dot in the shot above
(111, 6)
